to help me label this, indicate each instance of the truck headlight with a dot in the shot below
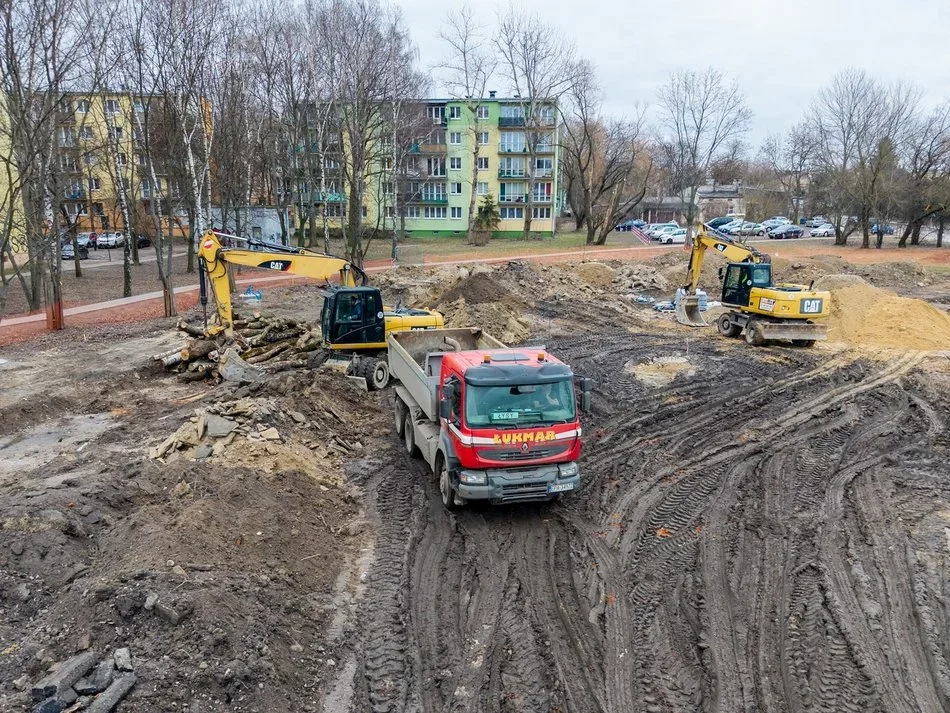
(473, 477)
(567, 470)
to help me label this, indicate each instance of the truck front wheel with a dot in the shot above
(449, 499)
(400, 415)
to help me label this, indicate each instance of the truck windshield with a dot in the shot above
(524, 405)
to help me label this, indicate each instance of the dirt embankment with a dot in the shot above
(226, 566)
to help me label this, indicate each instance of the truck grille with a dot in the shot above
(524, 492)
(509, 454)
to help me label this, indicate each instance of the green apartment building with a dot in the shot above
(426, 186)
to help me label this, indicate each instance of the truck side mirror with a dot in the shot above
(721, 272)
(445, 404)
(586, 385)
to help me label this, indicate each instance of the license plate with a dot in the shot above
(560, 487)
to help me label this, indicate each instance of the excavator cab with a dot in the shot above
(740, 278)
(353, 317)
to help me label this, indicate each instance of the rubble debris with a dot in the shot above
(123, 659)
(64, 676)
(111, 697)
(99, 680)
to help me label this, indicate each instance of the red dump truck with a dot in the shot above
(494, 423)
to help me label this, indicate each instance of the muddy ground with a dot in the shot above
(760, 529)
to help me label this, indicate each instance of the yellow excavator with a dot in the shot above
(759, 309)
(354, 322)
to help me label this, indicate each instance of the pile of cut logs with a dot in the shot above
(271, 343)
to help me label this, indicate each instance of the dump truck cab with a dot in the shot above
(494, 423)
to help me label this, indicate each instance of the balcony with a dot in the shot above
(510, 121)
(428, 148)
(544, 148)
(543, 172)
(430, 198)
(542, 200)
(512, 149)
(512, 173)
(74, 195)
(513, 199)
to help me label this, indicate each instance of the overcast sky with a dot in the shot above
(782, 53)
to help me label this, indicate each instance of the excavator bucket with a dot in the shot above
(687, 312)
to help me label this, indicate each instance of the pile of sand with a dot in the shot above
(862, 314)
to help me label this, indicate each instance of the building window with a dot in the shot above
(542, 192)
(455, 189)
(436, 166)
(67, 163)
(364, 212)
(81, 209)
(412, 211)
(388, 188)
(455, 163)
(482, 188)
(139, 106)
(176, 191)
(511, 212)
(388, 163)
(455, 137)
(388, 212)
(140, 159)
(67, 137)
(483, 137)
(543, 213)
(433, 192)
(330, 163)
(482, 112)
(112, 106)
(146, 189)
(82, 106)
(115, 132)
(89, 159)
(121, 159)
(436, 138)
(86, 133)
(95, 184)
(456, 212)
(98, 209)
(483, 163)
(543, 167)
(455, 112)
(436, 113)
(434, 211)
(512, 142)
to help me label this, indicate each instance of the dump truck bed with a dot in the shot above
(415, 358)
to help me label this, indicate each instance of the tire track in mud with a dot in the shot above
(694, 572)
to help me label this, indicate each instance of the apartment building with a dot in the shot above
(101, 143)
(427, 187)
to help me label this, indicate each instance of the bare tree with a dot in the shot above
(605, 161)
(790, 157)
(540, 66)
(468, 70)
(925, 150)
(857, 122)
(702, 113)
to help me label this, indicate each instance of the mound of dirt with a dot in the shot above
(479, 288)
(836, 282)
(862, 314)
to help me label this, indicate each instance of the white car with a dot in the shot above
(826, 230)
(677, 236)
(661, 228)
(111, 240)
(661, 233)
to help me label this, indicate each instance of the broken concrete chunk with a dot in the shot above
(187, 434)
(219, 427)
(150, 601)
(202, 452)
(232, 367)
(297, 416)
(162, 448)
(65, 675)
(16, 548)
(123, 659)
(181, 489)
(167, 613)
(99, 680)
(270, 434)
(108, 700)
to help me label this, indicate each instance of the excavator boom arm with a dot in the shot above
(217, 260)
(730, 249)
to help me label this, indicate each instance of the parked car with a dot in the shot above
(677, 236)
(784, 232)
(722, 220)
(815, 221)
(775, 222)
(823, 231)
(726, 227)
(70, 254)
(111, 240)
(661, 232)
(749, 228)
(628, 225)
(143, 241)
(887, 229)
